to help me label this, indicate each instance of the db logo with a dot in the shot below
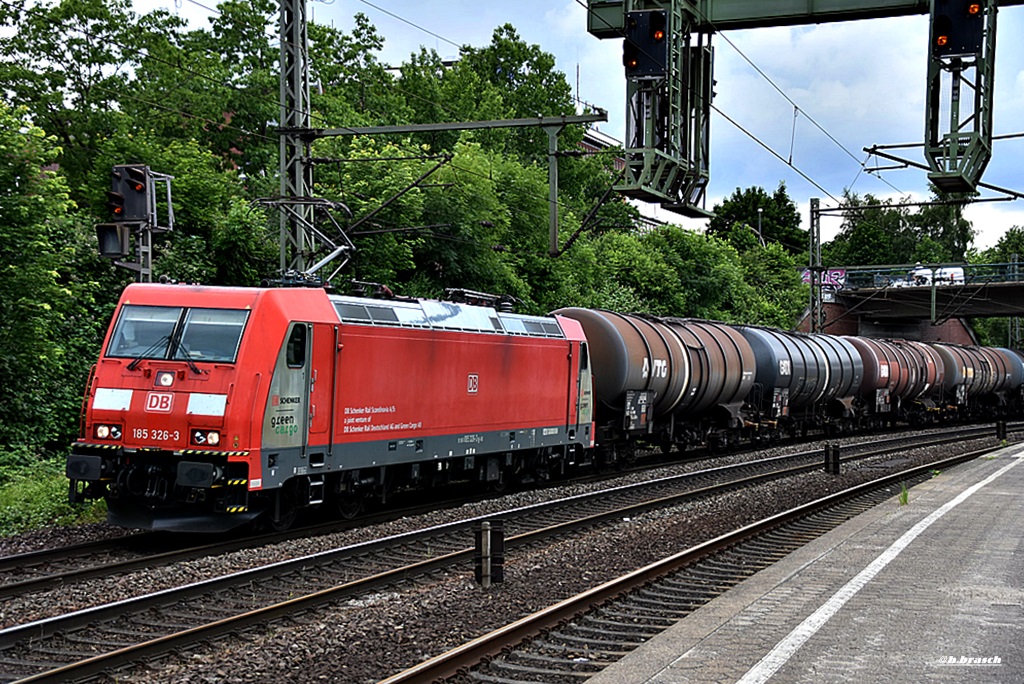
(473, 383)
(160, 402)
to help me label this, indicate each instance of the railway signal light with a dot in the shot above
(645, 49)
(657, 28)
(129, 198)
(115, 204)
(113, 240)
(958, 27)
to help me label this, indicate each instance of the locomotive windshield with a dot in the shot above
(169, 332)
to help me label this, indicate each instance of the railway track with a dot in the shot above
(38, 571)
(575, 639)
(90, 641)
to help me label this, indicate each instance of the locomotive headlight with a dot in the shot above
(205, 437)
(165, 378)
(107, 431)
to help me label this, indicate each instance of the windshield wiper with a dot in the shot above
(144, 355)
(183, 351)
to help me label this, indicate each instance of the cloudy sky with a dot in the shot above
(863, 82)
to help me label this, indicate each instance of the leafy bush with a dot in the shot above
(37, 496)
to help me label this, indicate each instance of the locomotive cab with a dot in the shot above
(156, 432)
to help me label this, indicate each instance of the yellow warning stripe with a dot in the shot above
(207, 452)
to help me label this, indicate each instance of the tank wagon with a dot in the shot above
(668, 381)
(803, 381)
(213, 407)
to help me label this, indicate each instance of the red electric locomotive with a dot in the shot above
(210, 407)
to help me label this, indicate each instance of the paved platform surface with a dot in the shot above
(932, 591)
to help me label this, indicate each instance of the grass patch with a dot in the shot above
(36, 496)
(904, 494)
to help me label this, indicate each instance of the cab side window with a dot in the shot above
(296, 350)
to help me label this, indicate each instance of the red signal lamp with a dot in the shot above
(115, 203)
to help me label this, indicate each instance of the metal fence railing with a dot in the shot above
(919, 275)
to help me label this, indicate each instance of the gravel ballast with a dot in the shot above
(369, 639)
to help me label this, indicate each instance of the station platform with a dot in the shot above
(931, 591)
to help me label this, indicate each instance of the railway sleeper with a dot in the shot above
(79, 638)
(606, 634)
(642, 615)
(645, 627)
(582, 670)
(589, 646)
(605, 645)
(534, 657)
(680, 596)
(687, 582)
(35, 665)
(661, 611)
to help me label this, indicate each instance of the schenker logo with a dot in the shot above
(284, 401)
(159, 402)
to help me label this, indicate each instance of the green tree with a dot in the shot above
(217, 86)
(675, 272)
(772, 218)
(780, 296)
(774, 273)
(350, 85)
(876, 232)
(943, 232)
(70, 63)
(873, 232)
(525, 77)
(1009, 245)
(34, 205)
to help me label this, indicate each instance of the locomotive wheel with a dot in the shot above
(284, 512)
(349, 505)
(501, 485)
(285, 521)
